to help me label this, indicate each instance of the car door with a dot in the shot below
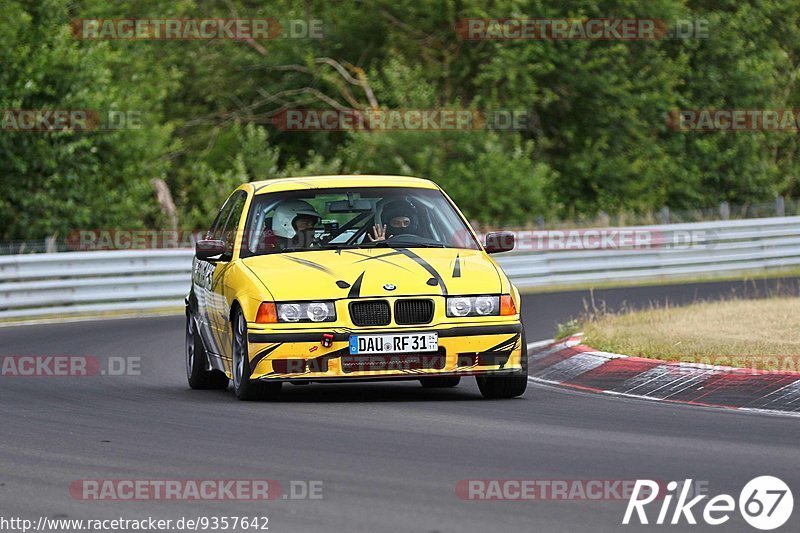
(230, 235)
(207, 287)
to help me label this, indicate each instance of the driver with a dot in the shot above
(293, 224)
(399, 217)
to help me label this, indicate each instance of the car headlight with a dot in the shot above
(486, 305)
(306, 312)
(461, 306)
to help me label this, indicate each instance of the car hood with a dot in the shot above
(370, 272)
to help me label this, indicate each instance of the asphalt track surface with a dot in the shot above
(389, 455)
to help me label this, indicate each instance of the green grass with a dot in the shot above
(763, 333)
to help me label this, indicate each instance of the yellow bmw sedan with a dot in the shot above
(350, 278)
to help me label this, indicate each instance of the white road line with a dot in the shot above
(569, 390)
(556, 386)
(538, 344)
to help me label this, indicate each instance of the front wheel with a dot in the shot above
(506, 386)
(245, 388)
(197, 362)
(441, 382)
(502, 386)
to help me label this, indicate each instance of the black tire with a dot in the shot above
(509, 386)
(197, 362)
(441, 382)
(245, 388)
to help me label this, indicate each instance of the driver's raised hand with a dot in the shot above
(378, 233)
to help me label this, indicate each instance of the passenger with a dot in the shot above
(293, 225)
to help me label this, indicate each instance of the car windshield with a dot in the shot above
(322, 219)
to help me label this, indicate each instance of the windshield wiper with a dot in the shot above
(402, 244)
(412, 244)
(339, 246)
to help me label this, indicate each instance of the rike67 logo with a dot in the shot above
(765, 503)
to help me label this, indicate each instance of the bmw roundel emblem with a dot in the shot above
(389, 287)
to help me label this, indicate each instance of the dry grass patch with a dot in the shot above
(702, 331)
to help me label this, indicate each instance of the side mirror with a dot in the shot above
(499, 241)
(208, 248)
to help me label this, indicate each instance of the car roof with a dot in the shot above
(331, 182)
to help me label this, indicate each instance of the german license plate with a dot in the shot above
(405, 343)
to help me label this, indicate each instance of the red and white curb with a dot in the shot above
(572, 364)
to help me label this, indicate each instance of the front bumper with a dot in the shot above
(464, 349)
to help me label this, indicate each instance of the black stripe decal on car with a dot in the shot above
(382, 260)
(424, 264)
(457, 268)
(311, 264)
(355, 290)
(262, 354)
(508, 344)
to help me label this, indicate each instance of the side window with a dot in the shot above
(231, 232)
(217, 227)
(260, 238)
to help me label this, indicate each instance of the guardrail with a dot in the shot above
(96, 282)
(93, 282)
(712, 247)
